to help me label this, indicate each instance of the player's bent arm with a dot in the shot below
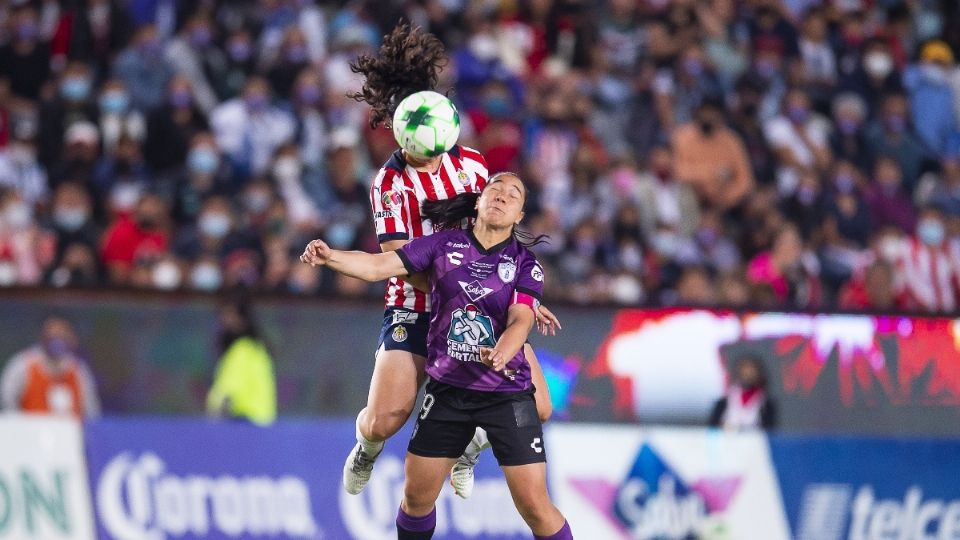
(520, 320)
(418, 280)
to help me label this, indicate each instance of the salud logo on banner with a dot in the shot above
(657, 484)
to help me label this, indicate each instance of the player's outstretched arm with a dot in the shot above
(358, 264)
(519, 322)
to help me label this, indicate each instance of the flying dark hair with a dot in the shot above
(450, 213)
(409, 60)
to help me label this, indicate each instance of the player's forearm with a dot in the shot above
(366, 266)
(513, 337)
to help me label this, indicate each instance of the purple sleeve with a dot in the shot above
(530, 277)
(418, 254)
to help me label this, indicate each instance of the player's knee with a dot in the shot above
(381, 425)
(535, 509)
(415, 500)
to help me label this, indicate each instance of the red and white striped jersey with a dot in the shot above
(395, 198)
(928, 276)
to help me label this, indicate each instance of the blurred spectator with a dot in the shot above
(98, 30)
(25, 248)
(142, 234)
(925, 272)
(680, 91)
(946, 192)
(294, 57)
(50, 377)
(875, 75)
(123, 164)
(22, 172)
(72, 218)
(73, 102)
(892, 135)
(206, 174)
(117, 119)
(663, 199)
(192, 56)
(695, 288)
(789, 272)
(249, 129)
(244, 386)
(932, 96)
(848, 141)
(143, 69)
(25, 59)
(710, 157)
(873, 289)
(799, 137)
(746, 405)
(239, 63)
(172, 125)
(888, 202)
(311, 134)
(217, 233)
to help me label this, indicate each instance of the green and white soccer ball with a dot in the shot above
(426, 124)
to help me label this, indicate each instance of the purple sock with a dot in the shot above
(416, 528)
(563, 534)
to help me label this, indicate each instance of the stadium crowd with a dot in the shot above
(772, 153)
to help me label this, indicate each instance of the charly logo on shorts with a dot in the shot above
(400, 334)
(507, 271)
(391, 198)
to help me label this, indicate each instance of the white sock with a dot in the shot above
(370, 448)
(477, 444)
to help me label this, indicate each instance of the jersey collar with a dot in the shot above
(493, 249)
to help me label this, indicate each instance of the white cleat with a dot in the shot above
(357, 469)
(461, 476)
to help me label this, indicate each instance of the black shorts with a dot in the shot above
(450, 415)
(404, 330)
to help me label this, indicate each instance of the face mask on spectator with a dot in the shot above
(296, 54)
(214, 224)
(483, 47)
(341, 235)
(845, 182)
(27, 31)
(895, 123)
(114, 101)
(878, 65)
(847, 126)
(707, 237)
(666, 243)
(75, 88)
(203, 160)
(625, 289)
(693, 67)
(206, 277)
(180, 99)
(124, 196)
(257, 201)
(256, 102)
(200, 37)
(239, 51)
(309, 94)
(806, 195)
(631, 257)
(166, 275)
(798, 114)
(931, 232)
(286, 167)
(766, 68)
(8, 273)
(70, 219)
(18, 215)
(496, 106)
(889, 248)
(934, 73)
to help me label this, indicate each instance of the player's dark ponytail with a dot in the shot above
(451, 213)
(409, 60)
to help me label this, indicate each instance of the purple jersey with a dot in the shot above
(471, 290)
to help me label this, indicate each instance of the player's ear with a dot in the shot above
(519, 219)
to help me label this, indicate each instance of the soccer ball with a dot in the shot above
(426, 124)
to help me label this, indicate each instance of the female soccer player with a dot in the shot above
(478, 373)
(409, 61)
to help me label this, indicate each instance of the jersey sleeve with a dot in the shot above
(388, 206)
(418, 254)
(529, 287)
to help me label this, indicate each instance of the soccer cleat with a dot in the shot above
(461, 476)
(357, 469)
